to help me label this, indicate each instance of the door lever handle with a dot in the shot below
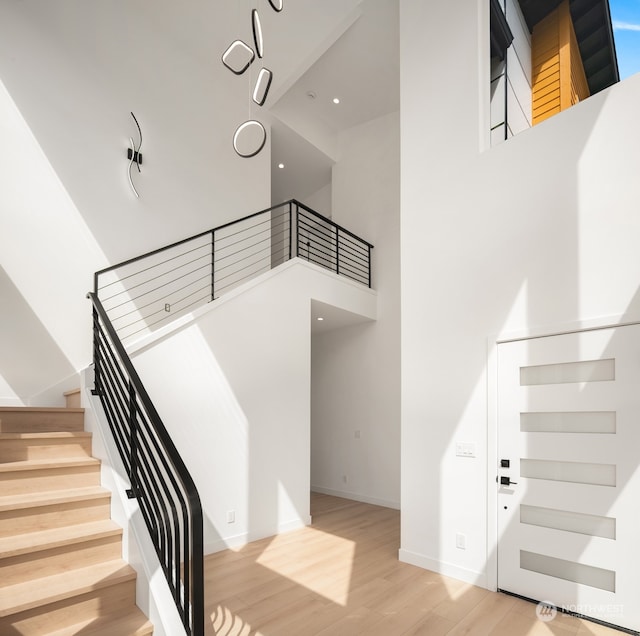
(506, 481)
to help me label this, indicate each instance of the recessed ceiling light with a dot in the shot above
(281, 166)
(336, 100)
(319, 318)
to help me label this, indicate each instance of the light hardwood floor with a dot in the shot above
(341, 576)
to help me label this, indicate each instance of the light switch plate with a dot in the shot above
(465, 449)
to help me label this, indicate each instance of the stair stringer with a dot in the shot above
(232, 385)
(153, 596)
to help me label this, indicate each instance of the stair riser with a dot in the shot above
(39, 480)
(43, 620)
(21, 568)
(57, 515)
(72, 399)
(38, 421)
(16, 450)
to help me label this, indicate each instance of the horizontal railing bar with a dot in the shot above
(358, 280)
(163, 299)
(351, 238)
(345, 270)
(168, 316)
(225, 225)
(329, 221)
(360, 249)
(242, 234)
(246, 229)
(311, 247)
(138, 308)
(268, 231)
(346, 260)
(157, 322)
(240, 269)
(166, 273)
(155, 289)
(268, 238)
(272, 245)
(146, 269)
(305, 232)
(312, 223)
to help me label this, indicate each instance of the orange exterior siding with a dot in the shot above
(558, 75)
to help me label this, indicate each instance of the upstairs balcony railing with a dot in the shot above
(144, 293)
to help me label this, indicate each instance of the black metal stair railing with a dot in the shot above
(142, 294)
(167, 496)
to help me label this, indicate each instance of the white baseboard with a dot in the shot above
(237, 541)
(446, 569)
(386, 503)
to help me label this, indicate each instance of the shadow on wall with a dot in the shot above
(552, 213)
(30, 356)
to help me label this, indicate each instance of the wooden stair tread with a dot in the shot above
(40, 464)
(49, 589)
(38, 409)
(130, 623)
(46, 539)
(36, 499)
(46, 435)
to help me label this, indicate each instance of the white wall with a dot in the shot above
(73, 71)
(320, 201)
(356, 370)
(237, 404)
(537, 233)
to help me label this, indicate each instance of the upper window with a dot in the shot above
(561, 51)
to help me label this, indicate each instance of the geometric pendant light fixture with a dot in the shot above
(250, 137)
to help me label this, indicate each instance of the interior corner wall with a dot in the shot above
(536, 234)
(355, 401)
(236, 403)
(320, 201)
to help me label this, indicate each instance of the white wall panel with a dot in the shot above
(541, 231)
(356, 370)
(237, 404)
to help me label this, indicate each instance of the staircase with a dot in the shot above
(61, 571)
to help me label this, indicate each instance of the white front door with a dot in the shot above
(569, 443)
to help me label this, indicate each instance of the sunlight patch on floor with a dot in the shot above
(225, 623)
(328, 575)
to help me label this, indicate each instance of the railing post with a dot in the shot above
(369, 263)
(337, 250)
(297, 230)
(133, 432)
(213, 263)
(290, 229)
(96, 353)
(197, 574)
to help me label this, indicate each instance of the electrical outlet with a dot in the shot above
(357, 434)
(344, 479)
(231, 516)
(167, 307)
(461, 541)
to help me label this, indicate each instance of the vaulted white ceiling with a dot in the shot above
(361, 69)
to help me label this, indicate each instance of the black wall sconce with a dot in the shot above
(134, 155)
